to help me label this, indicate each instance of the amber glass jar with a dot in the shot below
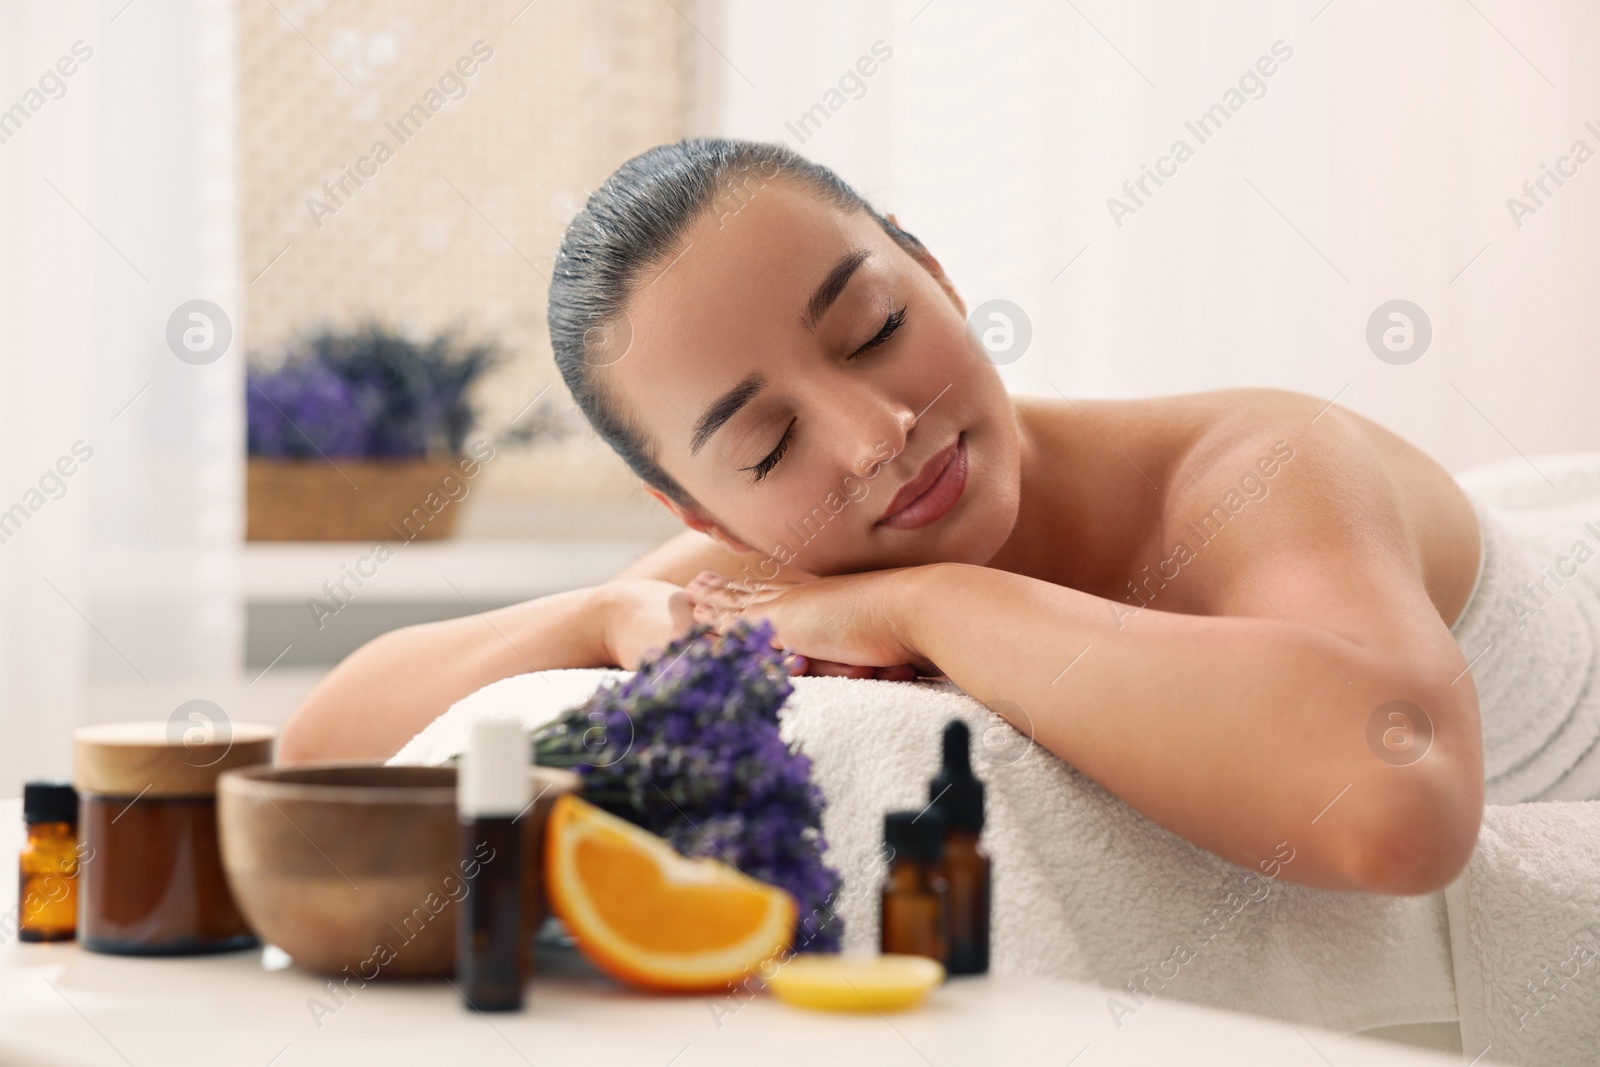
(151, 879)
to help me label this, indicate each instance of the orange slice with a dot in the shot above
(649, 917)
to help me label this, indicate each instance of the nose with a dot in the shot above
(871, 428)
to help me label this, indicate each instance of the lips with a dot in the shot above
(933, 491)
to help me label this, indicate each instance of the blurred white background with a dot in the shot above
(1375, 163)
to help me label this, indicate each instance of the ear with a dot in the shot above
(933, 267)
(692, 518)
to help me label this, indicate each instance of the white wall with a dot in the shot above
(1376, 166)
(116, 206)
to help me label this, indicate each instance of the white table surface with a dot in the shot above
(61, 1005)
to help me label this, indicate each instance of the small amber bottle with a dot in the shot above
(958, 793)
(912, 908)
(47, 891)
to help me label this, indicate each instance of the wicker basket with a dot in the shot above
(359, 500)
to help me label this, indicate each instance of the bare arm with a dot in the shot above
(1235, 733)
(1247, 721)
(383, 693)
(391, 687)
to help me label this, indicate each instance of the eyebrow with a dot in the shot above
(832, 286)
(724, 408)
(728, 404)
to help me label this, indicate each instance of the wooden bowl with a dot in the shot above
(355, 865)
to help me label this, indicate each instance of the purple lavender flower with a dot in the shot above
(689, 749)
(300, 411)
(370, 392)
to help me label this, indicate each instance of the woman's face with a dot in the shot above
(797, 369)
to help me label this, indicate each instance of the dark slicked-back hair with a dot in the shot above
(634, 224)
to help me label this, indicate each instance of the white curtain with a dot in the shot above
(120, 463)
(1374, 163)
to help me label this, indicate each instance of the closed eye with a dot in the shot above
(895, 320)
(764, 468)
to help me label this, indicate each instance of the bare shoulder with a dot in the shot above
(1229, 431)
(1187, 446)
(1274, 501)
(1324, 505)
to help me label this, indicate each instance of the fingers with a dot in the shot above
(680, 609)
(905, 672)
(714, 599)
(720, 601)
(703, 593)
(715, 614)
(704, 584)
(709, 586)
(827, 668)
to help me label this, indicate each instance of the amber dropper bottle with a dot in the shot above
(47, 890)
(958, 793)
(492, 792)
(912, 908)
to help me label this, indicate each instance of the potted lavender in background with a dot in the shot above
(359, 435)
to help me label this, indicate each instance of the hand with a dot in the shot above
(640, 616)
(840, 625)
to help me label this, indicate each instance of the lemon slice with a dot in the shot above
(856, 983)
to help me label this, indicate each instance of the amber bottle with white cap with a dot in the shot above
(493, 792)
(150, 881)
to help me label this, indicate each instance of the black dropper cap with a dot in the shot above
(49, 801)
(955, 789)
(917, 835)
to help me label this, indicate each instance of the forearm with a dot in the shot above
(1237, 733)
(382, 694)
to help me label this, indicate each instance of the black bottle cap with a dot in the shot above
(955, 789)
(917, 835)
(50, 801)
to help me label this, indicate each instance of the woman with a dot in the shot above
(1210, 604)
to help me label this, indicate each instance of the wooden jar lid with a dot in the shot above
(159, 759)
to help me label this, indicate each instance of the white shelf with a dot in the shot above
(490, 569)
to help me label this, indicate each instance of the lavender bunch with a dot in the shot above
(301, 411)
(689, 749)
(370, 392)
